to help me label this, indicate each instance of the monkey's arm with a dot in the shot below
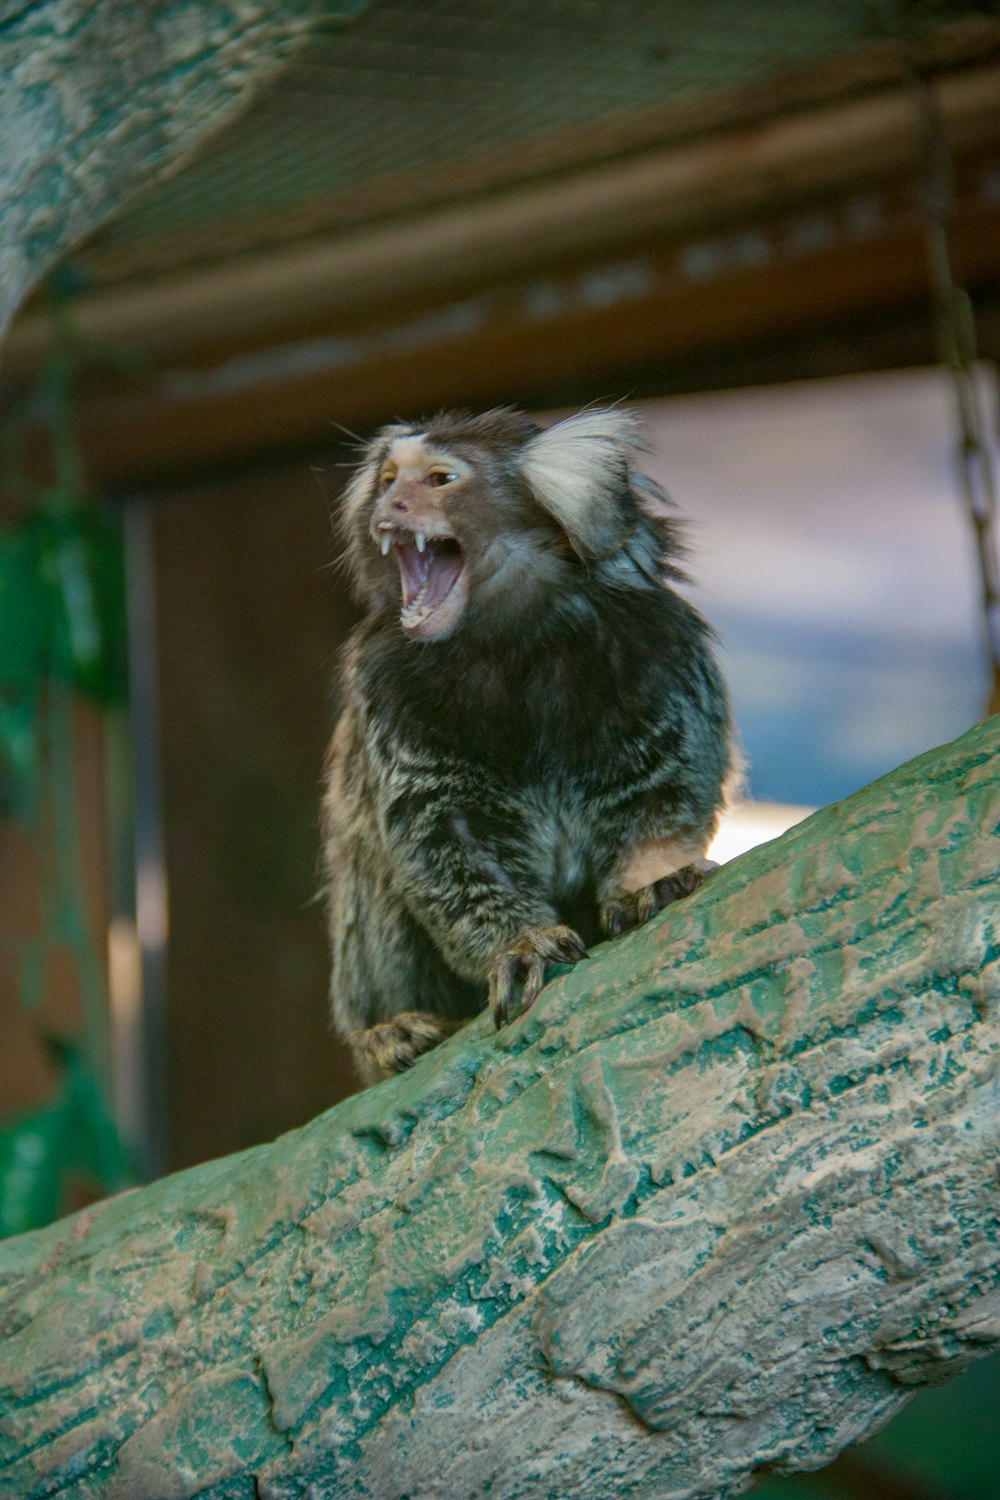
(469, 874)
(660, 821)
(467, 866)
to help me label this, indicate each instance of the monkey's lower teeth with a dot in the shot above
(417, 609)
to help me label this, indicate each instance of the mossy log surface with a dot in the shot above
(721, 1201)
(98, 96)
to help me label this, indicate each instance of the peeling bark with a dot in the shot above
(97, 98)
(722, 1200)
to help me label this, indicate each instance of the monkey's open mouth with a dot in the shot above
(429, 569)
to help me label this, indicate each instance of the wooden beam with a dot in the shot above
(599, 324)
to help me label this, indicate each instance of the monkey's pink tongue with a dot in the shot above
(427, 576)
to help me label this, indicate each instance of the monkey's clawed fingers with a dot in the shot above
(524, 963)
(631, 909)
(394, 1045)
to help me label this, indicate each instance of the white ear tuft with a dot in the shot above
(578, 472)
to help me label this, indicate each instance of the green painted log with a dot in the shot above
(722, 1200)
(98, 96)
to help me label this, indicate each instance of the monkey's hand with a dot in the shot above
(628, 909)
(524, 963)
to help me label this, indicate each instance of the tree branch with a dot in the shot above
(722, 1200)
(97, 98)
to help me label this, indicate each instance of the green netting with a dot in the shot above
(67, 1150)
(410, 88)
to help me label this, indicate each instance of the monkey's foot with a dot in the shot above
(394, 1045)
(631, 909)
(524, 964)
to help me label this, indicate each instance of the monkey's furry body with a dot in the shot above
(535, 733)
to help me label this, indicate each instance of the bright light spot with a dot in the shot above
(124, 971)
(748, 824)
(125, 996)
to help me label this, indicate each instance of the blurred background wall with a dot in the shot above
(728, 216)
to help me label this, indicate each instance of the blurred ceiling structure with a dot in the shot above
(416, 105)
(521, 199)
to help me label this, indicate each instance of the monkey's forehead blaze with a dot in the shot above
(418, 452)
(501, 430)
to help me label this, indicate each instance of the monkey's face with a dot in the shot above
(417, 488)
(441, 526)
(486, 518)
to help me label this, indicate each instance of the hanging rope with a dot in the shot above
(956, 343)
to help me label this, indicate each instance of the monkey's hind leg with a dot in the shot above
(390, 1046)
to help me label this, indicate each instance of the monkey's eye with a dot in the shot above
(385, 478)
(439, 477)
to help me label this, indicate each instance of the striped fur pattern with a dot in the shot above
(535, 734)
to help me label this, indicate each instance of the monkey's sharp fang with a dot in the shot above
(428, 573)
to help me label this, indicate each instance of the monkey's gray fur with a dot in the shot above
(535, 734)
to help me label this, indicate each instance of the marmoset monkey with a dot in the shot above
(535, 733)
